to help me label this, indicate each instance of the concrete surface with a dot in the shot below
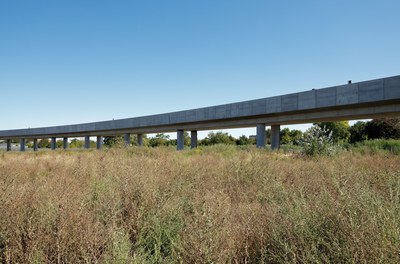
(180, 144)
(260, 138)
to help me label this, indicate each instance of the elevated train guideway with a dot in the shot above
(363, 100)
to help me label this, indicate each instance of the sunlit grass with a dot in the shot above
(214, 204)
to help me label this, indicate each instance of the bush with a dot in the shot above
(218, 138)
(318, 141)
(379, 145)
(338, 131)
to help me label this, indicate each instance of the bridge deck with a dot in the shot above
(368, 99)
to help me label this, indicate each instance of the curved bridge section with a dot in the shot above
(368, 99)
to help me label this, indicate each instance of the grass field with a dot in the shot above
(218, 204)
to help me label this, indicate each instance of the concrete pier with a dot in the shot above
(53, 143)
(260, 139)
(99, 142)
(180, 144)
(35, 144)
(140, 140)
(275, 136)
(65, 143)
(127, 139)
(87, 142)
(8, 144)
(193, 139)
(22, 144)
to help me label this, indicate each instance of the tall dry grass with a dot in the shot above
(211, 205)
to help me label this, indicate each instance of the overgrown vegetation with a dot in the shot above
(318, 141)
(217, 204)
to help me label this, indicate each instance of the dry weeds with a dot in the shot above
(216, 205)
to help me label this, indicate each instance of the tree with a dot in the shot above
(268, 136)
(358, 132)
(76, 143)
(159, 140)
(113, 141)
(383, 128)
(44, 143)
(288, 136)
(296, 135)
(186, 138)
(60, 143)
(285, 136)
(218, 138)
(340, 130)
(243, 140)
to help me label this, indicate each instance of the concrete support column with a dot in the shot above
(87, 142)
(35, 144)
(180, 142)
(127, 139)
(53, 143)
(193, 139)
(140, 140)
(22, 144)
(275, 136)
(260, 139)
(99, 142)
(65, 143)
(8, 144)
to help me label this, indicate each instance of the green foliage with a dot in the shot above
(340, 130)
(113, 141)
(295, 135)
(76, 143)
(92, 144)
(285, 136)
(318, 141)
(119, 251)
(379, 145)
(383, 128)
(218, 138)
(288, 136)
(60, 144)
(243, 140)
(160, 236)
(118, 141)
(186, 138)
(268, 136)
(44, 143)
(160, 140)
(357, 132)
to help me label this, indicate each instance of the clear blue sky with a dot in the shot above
(64, 62)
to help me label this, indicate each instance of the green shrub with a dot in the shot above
(159, 237)
(318, 141)
(379, 145)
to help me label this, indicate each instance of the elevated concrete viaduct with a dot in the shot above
(363, 100)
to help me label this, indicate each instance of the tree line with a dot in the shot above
(340, 132)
